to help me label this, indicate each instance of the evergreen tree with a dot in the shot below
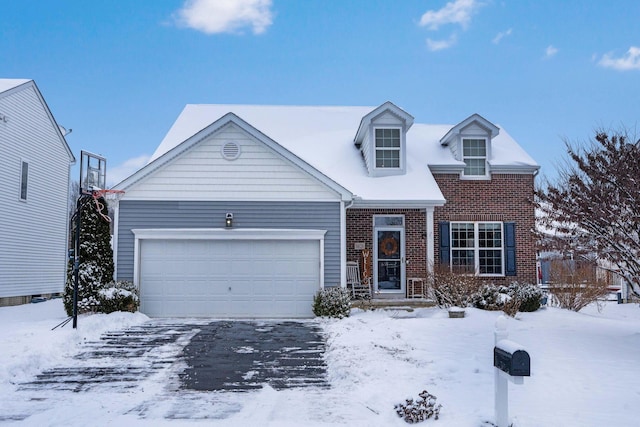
(96, 256)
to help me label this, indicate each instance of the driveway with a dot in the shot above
(198, 355)
(232, 355)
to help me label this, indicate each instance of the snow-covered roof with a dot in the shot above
(6, 84)
(323, 136)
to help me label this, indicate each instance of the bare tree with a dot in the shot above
(576, 285)
(596, 201)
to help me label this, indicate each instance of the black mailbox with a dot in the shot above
(515, 363)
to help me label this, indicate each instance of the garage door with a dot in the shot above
(228, 278)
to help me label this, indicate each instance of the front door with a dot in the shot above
(389, 260)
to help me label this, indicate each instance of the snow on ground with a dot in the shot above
(585, 372)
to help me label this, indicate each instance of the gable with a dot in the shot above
(201, 172)
(22, 103)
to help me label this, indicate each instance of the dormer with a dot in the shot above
(470, 142)
(382, 139)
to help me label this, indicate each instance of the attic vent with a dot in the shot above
(230, 151)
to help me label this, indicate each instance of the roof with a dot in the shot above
(7, 84)
(323, 137)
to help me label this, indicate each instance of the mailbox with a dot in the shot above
(509, 358)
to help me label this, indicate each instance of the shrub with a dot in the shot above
(516, 297)
(490, 297)
(528, 295)
(450, 289)
(420, 410)
(118, 296)
(574, 286)
(332, 302)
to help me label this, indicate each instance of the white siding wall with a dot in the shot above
(32, 232)
(203, 174)
(474, 129)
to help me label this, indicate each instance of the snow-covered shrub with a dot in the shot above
(332, 302)
(490, 297)
(420, 410)
(118, 296)
(450, 289)
(528, 296)
(516, 297)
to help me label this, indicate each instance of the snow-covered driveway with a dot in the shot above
(184, 356)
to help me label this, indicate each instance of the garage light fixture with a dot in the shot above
(229, 220)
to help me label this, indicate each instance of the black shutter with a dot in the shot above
(510, 248)
(445, 243)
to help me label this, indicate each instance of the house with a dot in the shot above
(35, 163)
(247, 211)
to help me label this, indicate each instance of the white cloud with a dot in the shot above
(455, 12)
(435, 45)
(124, 170)
(630, 61)
(501, 35)
(550, 51)
(225, 16)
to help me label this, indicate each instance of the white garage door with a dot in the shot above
(228, 278)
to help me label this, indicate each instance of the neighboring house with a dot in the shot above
(35, 163)
(310, 188)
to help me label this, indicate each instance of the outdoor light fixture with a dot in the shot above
(229, 220)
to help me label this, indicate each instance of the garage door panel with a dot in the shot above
(229, 278)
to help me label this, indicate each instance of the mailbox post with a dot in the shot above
(511, 364)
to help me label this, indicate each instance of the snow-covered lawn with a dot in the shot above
(585, 372)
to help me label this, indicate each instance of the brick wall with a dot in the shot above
(507, 198)
(360, 230)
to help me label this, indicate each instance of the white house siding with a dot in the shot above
(474, 130)
(202, 173)
(32, 233)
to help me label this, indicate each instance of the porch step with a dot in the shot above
(408, 304)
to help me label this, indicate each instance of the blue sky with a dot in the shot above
(119, 72)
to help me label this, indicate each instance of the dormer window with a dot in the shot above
(382, 140)
(387, 147)
(474, 155)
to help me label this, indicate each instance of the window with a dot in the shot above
(476, 247)
(387, 148)
(24, 180)
(388, 220)
(474, 154)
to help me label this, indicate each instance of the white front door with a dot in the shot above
(389, 259)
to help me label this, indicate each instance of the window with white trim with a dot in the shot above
(474, 155)
(477, 248)
(387, 147)
(24, 180)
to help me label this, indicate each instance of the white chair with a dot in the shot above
(360, 290)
